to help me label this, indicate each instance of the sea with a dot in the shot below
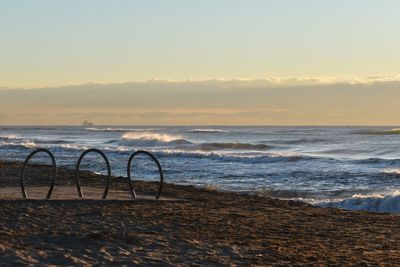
(355, 168)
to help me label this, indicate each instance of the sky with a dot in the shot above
(52, 47)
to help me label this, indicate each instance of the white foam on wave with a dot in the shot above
(391, 171)
(373, 203)
(74, 146)
(152, 139)
(150, 136)
(27, 144)
(8, 136)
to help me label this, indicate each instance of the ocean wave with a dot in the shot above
(183, 152)
(240, 157)
(392, 131)
(8, 136)
(373, 203)
(15, 140)
(73, 147)
(381, 161)
(380, 132)
(299, 141)
(209, 131)
(112, 141)
(151, 139)
(52, 142)
(23, 144)
(110, 129)
(240, 146)
(395, 172)
(344, 151)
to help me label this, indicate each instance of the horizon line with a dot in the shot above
(199, 125)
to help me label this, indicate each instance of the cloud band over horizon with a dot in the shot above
(291, 101)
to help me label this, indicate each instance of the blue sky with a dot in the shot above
(64, 42)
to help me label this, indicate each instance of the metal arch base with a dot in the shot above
(77, 169)
(133, 193)
(53, 181)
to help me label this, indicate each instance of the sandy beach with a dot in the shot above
(190, 226)
(199, 133)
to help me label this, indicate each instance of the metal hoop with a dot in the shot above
(53, 181)
(133, 193)
(78, 164)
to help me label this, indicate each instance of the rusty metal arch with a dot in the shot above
(54, 174)
(160, 170)
(77, 169)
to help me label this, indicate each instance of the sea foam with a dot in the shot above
(23, 144)
(8, 136)
(151, 139)
(374, 203)
(391, 171)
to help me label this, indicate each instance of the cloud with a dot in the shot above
(232, 82)
(237, 101)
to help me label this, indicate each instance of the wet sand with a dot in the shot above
(189, 226)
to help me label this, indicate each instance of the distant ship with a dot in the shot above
(87, 123)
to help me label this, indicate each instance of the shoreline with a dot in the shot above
(209, 228)
(373, 203)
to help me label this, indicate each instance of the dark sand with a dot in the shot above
(190, 227)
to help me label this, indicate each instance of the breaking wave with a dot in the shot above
(151, 139)
(24, 144)
(12, 139)
(373, 203)
(74, 147)
(8, 136)
(395, 172)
